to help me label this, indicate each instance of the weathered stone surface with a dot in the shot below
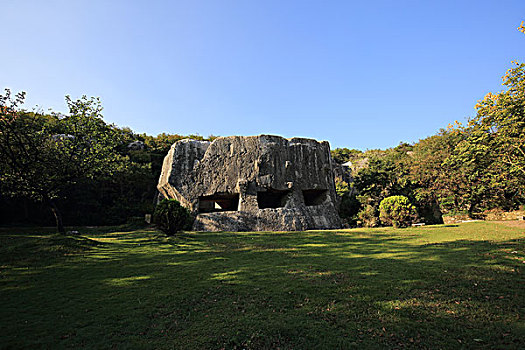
(253, 183)
(136, 145)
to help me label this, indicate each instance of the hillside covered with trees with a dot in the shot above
(85, 171)
(75, 169)
(466, 169)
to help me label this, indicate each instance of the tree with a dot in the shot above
(343, 155)
(492, 155)
(386, 175)
(500, 121)
(41, 156)
(438, 187)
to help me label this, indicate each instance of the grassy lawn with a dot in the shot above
(430, 287)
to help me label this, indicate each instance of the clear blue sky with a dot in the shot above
(360, 74)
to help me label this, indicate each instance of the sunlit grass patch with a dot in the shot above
(425, 287)
(126, 281)
(228, 276)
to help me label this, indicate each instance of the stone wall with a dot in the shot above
(490, 215)
(455, 219)
(496, 215)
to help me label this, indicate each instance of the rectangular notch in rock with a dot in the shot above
(219, 202)
(272, 199)
(314, 197)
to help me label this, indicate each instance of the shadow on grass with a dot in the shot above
(359, 289)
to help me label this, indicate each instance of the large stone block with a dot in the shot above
(253, 183)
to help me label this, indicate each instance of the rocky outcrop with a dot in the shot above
(253, 183)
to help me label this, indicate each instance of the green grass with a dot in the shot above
(430, 287)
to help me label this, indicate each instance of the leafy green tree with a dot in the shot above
(349, 205)
(438, 187)
(368, 216)
(492, 154)
(343, 155)
(500, 122)
(386, 175)
(342, 188)
(479, 166)
(491, 157)
(42, 156)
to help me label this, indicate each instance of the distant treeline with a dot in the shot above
(107, 200)
(465, 169)
(89, 172)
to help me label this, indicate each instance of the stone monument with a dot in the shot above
(253, 183)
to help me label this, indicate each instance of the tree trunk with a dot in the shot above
(471, 208)
(26, 209)
(58, 216)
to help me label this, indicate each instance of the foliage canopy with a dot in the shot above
(43, 156)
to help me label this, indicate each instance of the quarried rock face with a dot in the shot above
(253, 183)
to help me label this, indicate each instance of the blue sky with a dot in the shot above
(360, 74)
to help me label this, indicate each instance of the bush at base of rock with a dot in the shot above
(397, 211)
(368, 217)
(170, 217)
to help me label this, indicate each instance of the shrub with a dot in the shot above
(342, 188)
(368, 216)
(348, 205)
(170, 217)
(349, 208)
(397, 211)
